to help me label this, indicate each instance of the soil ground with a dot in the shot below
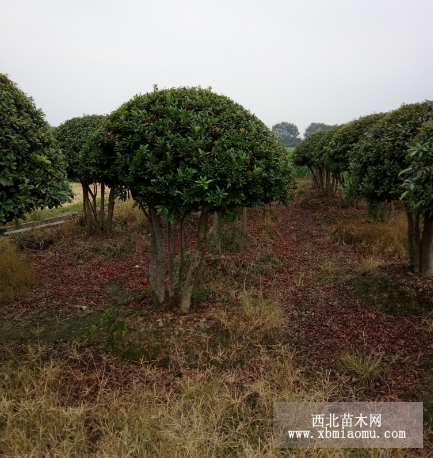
(337, 300)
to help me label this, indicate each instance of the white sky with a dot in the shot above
(298, 61)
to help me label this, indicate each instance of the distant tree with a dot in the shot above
(316, 126)
(287, 133)
(32, 167)
(71, 137)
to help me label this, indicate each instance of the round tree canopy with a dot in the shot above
(71, 136)
(32, 168)
(381, 154)
(185, 149)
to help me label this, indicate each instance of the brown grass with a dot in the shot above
(16, 276)
(255, 320)
(209, 414)
(385, 241)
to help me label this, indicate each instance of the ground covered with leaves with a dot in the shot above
(319, 306)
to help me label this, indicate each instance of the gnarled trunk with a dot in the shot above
(195, 261)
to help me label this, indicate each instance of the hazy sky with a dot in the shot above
(299, 61)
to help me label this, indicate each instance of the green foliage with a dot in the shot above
(418, 184)
(183, 149)
(287, 133)
(381, 154)
(32, 168)
(71, 136)
(316, 127)
(311, 152)
(98, 160)
(341, 145)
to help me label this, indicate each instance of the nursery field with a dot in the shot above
(319, 306)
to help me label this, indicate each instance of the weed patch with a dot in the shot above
(366, 368)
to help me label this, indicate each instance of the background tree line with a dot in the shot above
(288, 133)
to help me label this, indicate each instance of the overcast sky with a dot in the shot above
(299, 61)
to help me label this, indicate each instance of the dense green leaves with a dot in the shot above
(71, 136)
(32, 168)
(338, 154)
(418, 184)
(183, 149)
(311, 152)
(381, 154)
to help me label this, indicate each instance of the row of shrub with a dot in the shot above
(381, 158)
(176, 151)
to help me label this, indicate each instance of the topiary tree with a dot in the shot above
(72, 136)
(32, 168)
(418, 191)
(382, 154)
(188, 150)
(311, 152)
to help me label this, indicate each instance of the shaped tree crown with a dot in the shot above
(71, 136)
(32, 169)
(183, 149)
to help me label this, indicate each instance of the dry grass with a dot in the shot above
(255, 320)
(368, 368)
(16, 276)
(125, 214)
(386, 241)
(209, 414)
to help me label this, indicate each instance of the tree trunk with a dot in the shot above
(315, 183)
(427, 248)
(152, 252)
(170, 261)
(182, 251)
(197, 279)
(410, 236)
(416, 244)
(192, 272)
(102, 208)
(110, 211)
(86, 209)
(340, 197)
(320, 170)
(216, 232)
(235, 225)
(159, 278)
(243, 228)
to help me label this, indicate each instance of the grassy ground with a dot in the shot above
(320, 306)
